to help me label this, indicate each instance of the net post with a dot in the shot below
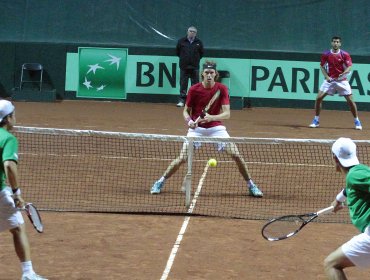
(188, 175)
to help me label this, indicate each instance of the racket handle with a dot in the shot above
(197, 120)
(325, 210)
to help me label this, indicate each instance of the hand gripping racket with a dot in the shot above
(206, 109)
(34, 216)
(286, 226)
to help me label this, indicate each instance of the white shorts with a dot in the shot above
(10, 216)
(341, 87)
(358, 249)
(216, 131)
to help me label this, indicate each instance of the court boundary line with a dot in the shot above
(184, 226)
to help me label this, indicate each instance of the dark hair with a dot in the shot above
(336, 38)
(208, 64)
(4, 121)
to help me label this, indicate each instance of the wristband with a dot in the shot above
(188, 119)
(16, 191)
(341, 197)
(191, 122)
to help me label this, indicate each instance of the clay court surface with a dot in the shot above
(122, 246)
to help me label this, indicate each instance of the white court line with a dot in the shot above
(161, 159)
(181, 234)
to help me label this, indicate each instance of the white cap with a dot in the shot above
(6, 108)
(345, 151)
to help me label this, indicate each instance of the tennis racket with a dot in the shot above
(343, 77)
(206, 109)
(287, 226)
(34, 216)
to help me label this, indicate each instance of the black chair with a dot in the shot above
(224, 75)
(31, 68)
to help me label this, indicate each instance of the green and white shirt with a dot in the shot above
(9, 151)
(358, 195)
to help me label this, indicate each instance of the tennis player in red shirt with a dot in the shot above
(335, 65)
(199, 96)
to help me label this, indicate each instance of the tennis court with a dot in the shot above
(136, 246)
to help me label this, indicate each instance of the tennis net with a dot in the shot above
(99, 171)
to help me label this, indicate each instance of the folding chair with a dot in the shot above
(31, 68)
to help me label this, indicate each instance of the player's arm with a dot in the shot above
(338, 203)
(323, 64)
(224, 112)
(223, 115)
(187, 117)
(11, 172)
(326, 75)
(346, 71)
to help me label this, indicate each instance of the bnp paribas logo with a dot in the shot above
(102, 73)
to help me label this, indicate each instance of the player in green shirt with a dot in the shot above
(355, 252)
(10, 195)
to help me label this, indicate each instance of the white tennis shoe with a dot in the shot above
(358, 125)
(180, 104)
(32, 276)
(156, 189)
(255, 191)
(315, 123)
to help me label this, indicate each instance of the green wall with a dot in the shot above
(304, 26)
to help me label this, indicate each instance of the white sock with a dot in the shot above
(250, 183)
(317, 118)
(356, 119)
(162, 179)
(27, 267)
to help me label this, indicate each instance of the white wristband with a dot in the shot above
(17, 191)
(341, 197)
(191, 122)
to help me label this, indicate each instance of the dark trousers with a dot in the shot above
(185, 75)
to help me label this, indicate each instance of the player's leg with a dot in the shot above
(335, 263)
(171, 169)
(23, 250)
(232, 150)
(11, 219)
(353, 108)
(355, 252)
(21, 244)
(344, 89)
(352, 105)
(325, 89)
(176, 163)
(318, 105)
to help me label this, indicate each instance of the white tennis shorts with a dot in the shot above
(10, 216)
(341, 87)
(216, 131)
(358, 249)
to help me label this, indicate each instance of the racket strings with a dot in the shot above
(283, 227)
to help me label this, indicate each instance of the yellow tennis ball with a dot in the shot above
(212, 162)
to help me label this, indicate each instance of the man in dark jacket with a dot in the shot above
(190, 50)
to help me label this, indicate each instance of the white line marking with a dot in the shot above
(162, 159)
(181, 234)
